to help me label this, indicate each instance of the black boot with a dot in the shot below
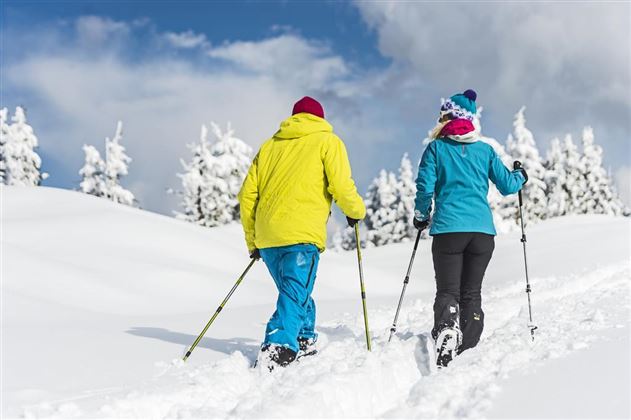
(307, 347)
(448, 341)
(272, 356)
(446, 331)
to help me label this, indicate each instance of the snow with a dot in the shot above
(574, 394)
(100, 301)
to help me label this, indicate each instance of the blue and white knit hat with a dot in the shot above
(461, 105)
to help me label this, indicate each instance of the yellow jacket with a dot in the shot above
(286, 196)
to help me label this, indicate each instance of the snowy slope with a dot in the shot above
(99, 301)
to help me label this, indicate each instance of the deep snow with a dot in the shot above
(99, 302)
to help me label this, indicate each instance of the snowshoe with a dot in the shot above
(272, 356)
(447, 343)
(307, 347)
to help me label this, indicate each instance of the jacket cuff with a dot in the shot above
(420, 216)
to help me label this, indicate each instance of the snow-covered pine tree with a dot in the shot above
(521, 146)
(555, 180)
(599, 196)
(116, 166)
(233, 159)
(504, 208)
(194, 184)
(382, 209)
(406, 192)
(574, 184)
(93, 173)
(213, 178)
(344, 239)
(21, 163)
(337, 239)
(4, 138)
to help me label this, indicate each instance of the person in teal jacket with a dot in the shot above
(454, 172)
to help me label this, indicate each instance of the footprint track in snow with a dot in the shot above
(392, 381)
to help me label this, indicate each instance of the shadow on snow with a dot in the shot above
(247, 346)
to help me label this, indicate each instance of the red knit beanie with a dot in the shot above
(310, 105)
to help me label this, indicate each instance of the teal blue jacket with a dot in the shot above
(456, 175)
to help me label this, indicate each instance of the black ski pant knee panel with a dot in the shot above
(460, 261)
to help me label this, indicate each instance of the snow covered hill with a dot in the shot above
(100, 301)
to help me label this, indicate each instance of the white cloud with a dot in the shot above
(286, 57)
(186, 40)
(569, 62)
(81, 84)
(162, 101)
(162, 105)
(96, 29)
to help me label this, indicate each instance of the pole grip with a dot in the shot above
(517, 165)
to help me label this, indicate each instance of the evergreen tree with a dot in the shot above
(574, 184)
(504, 208)
(406, 193)
(599, 196)
(116, 166)
(213, 178)
(389, 209)
(93, 173)
(102, 177)
(194, 183)
(555, 180)
(345, 239)
(233, 159)
(382, 209)
(4, 138)
(521, 146)
(20, 161)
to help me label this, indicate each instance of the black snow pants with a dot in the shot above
(460, 260)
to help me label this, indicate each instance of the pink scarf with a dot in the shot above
(457, 127)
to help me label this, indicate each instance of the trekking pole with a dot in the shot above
(531, 325)
(361, 283)
(199, 337)
(393, 329)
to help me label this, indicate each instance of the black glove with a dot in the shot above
(518, 167)
(421, 224)
(351, 222)
(255, 254)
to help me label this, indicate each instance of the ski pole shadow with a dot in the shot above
(247, 346)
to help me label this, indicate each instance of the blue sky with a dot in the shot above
(220, 21)
(379, 68)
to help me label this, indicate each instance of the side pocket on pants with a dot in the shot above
(313, 257)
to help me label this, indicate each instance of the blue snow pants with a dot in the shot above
(293, 269)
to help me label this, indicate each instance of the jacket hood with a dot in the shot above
(302, 124)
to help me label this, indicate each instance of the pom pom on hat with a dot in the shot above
(470, 93)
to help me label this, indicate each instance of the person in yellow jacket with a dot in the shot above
(285, 203)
